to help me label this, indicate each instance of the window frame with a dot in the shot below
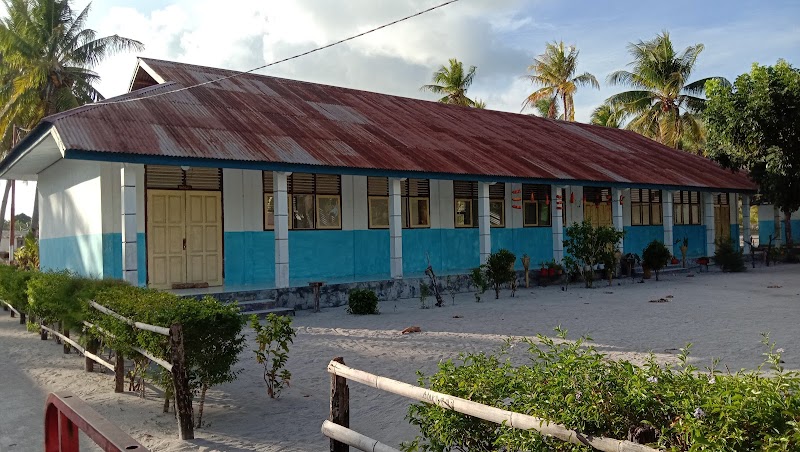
(291, 194)
(677, 206)
(472, 203)
(473, 200)
(405, 203)
(650, 203)
(527, 189)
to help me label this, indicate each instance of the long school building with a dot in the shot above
(255, 181)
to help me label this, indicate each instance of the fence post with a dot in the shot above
(91, 347)
(182, 395)
(340, 407)
(21, 318)
(66, 345)
(119, 372)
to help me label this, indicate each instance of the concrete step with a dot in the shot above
(261, 313)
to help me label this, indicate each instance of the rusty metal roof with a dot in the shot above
(266, 120)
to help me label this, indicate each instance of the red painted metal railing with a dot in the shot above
(66, 414)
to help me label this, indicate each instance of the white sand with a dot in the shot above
(722, 314)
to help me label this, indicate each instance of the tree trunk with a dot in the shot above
(3, 208)
(202, 404)
(566, 112)
(35, 214)
(789, 242)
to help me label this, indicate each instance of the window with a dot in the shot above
(686, 207)
(315, 201)
(536, 205)
(414, 206)
(465, 195)
(645, 207)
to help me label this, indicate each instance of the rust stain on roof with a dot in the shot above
(257, 118)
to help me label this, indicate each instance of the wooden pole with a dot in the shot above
(66, 344)
(119, 373)
(180, 380)
(485, 412)
(91, 347)
(354, 439)
(340, 406)
(12, 244)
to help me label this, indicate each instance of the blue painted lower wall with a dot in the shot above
(638, 237)
(249, 258)
(537, 243)
(83, 254)
(697, 240)
(735, 236)
(141, 251)
(112, 256)
(767, 228)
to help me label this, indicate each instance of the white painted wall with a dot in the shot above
(358, 198)
(447, 206)
(514, 218)
(348, 204)
(242, 200)
(70, 199)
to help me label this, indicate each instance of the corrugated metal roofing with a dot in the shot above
(256, 118)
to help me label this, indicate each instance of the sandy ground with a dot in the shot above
(721, 314)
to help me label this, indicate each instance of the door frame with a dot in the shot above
(146, 219)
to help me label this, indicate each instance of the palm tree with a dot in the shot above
(607, 115)
(452, 83)
(554, 71)
(548, 108)
(47, 58)
(480, 104)
(663, 104)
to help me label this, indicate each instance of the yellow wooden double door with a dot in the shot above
(599, 214)
(722, 227)
(184, 238)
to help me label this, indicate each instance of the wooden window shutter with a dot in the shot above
(328, 184)
(377, 186)
(204, 178)
(174, 178)
(419, 188)
(268, 180)
(301, 183)
(465, 189)
(539, 191)
(497, 191)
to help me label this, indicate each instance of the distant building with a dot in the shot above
(256, 181)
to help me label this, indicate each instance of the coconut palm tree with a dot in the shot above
(554, 72)
(47, 57)
(480, 104)
(548, 108)
(607, 115)
(452, 84)
(663, 104)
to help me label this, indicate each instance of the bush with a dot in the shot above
(478, 278)
(273, 341)
(500, 269)
(588, 246)
(728, 258)
(52, 298)
(27, 257)
(672, 408)
(15, 287)
(211, 330)
(655, 256)
(362, 302)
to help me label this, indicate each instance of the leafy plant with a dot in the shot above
(656, 256)
(500, 269)
(52, 298)
(727, 257)
(273, 339)
(670, 407)
(362, 302)
(424, 293)
(452, 287)
(478, 278)
(27, 257)
(588, 246)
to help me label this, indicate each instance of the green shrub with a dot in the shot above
(573, 384)
(362, 302)
(273, 341)
(52, 298)
(27, 257)
(15, 289)
(478, 278)
(728, 258)
(211, 330)
(655, 256)
(500, 269)
(588, 246)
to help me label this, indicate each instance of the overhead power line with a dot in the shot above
(217, 80)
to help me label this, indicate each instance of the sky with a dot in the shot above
(499, 37)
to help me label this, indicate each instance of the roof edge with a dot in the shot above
(25, 146)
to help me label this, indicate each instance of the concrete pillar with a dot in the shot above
(557, 223)
(746, 223)
(130, 252)
(616, 214)
(395, 228)
(279, 189)
(708, 215)
(484, 224)
(669, 222)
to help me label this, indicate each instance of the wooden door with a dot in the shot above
(722, 228)
(204, 237)
(599, 214)
(166, 258)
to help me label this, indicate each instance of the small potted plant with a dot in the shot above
(543, 270)
(654, 258)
